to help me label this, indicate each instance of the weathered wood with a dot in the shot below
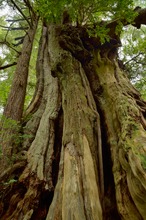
(86, 156)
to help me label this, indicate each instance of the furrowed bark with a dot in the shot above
(122, 124)
(78, 180)
(33, 113)
(37, 176)
(85, 156)
(34, 105)
(125, 136)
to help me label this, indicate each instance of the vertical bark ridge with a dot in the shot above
(36, 108)
(37, 175)
(36, 100)
(125, 136)
(78, 180)
(92, 105)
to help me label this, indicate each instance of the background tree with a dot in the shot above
(134, 56)
(78, 150)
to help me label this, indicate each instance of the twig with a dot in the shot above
(21, 12)
(133, 58)
(8, 45)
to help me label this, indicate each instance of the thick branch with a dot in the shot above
(141, 18)
(138, 21)
(28, 4)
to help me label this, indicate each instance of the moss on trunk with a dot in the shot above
(85, 149)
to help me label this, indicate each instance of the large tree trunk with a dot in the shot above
(85, 139)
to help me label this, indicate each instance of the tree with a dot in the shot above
(133, 53)
(78, 150)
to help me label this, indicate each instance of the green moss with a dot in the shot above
(143, 160)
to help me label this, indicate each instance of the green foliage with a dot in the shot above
(84, 11)
(87, 12)
(119, 27)
(9, 123)
(134, 53)
(8, 53)
(143, 159)
(11, 181)
(12, 128)
(100, 32)
(141, 86)
(134, 56)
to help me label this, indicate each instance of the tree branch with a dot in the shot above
(133, 58)
(14, 28)
(9, 45)
(28, 4)
(16, 20)
(138, 21)
(7, 66)
(141, 18)
(21, 12)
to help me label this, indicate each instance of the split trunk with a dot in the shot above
(84, 142)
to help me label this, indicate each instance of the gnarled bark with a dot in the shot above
(78, 179)
(86, 159)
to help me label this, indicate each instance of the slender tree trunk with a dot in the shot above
(15, 103)
(85, 158)
(14, 108)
